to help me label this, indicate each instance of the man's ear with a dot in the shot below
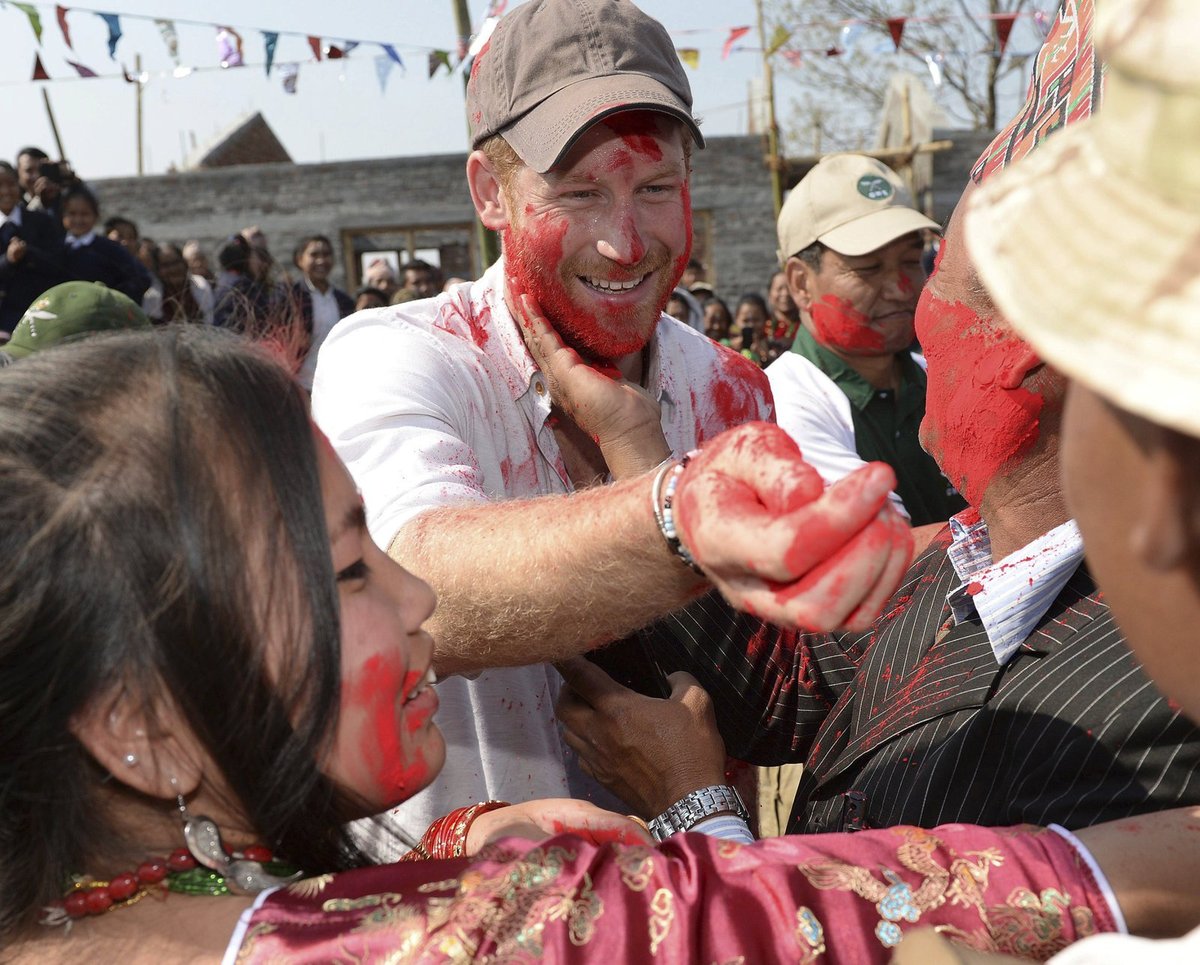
(487, 192)
(799, 283)
(1017, 366)
(1166, 525)
(148, 748)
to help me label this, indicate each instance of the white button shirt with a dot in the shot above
(438, 402)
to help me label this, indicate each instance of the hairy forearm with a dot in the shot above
(528, 581)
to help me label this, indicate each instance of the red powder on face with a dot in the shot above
(905, 284)
(638, 129)
(376, 691)
(978, 418)
(619, 160)
(533, 256)
(842, 326)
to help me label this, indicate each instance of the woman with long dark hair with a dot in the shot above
(207, 668)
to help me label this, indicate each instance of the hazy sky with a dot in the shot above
(339, 111)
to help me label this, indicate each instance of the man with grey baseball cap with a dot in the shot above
(849, 392)
(504, 433)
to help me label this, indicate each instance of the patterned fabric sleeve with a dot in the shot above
(822, 898)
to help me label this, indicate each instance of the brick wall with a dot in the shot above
(730, 191)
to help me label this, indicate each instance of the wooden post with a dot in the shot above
(773, 160)
(62, 155)
(486, 240)
(137, 66)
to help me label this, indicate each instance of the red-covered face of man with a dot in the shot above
(386, 747)
(602, 239)
(861, 305)
(980, 414)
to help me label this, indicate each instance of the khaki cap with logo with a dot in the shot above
(850, 203)
(72, 310)
(553, 68)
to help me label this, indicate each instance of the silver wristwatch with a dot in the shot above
(693, 808)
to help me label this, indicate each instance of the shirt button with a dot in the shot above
(883, 395)
(897, 433)
(540, 388)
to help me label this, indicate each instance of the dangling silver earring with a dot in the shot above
(203, 838)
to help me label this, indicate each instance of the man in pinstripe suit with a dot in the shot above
(996, 688)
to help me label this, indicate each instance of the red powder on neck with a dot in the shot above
(840, 325)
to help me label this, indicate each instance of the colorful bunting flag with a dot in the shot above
(114, 32)
(383, 67)
(270, 41)
(1004, 24)
(39, 72)
(289, 74)
(61, 13)
(349, 46)
(314, 44)
(735, 34)
(833, 51)
(690, 56)
(35, 19)
(391, 52)
(170, 38)
(334, 53)
(934, 63)
(792, 57)
(896, 29)
(229, 47)
(81, 70)
(780, 37)
(439, 58)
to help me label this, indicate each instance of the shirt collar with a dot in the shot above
(82, 241)
(314, 290)
(13, 216)
(1012, 596)
(857, 389)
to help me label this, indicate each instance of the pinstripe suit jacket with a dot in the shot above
(914, 722)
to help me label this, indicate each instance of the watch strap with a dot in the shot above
(694, 807)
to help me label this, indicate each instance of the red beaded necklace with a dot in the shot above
(178, 872)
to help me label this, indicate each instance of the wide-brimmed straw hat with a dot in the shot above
(1090, 247)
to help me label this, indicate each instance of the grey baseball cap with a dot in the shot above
(552, 68)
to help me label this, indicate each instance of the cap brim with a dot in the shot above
(1043, 237)
(16, 351)
(543, 136)
(864, 234)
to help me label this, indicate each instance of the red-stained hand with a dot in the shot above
(778, 544)
(648, 751)
(537, 820)
(621, 416)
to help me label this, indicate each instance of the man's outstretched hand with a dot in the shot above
(780, 545)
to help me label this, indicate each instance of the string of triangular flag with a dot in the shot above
(230, 46)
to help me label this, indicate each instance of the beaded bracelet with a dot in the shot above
(447, 836)
(666, 519)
